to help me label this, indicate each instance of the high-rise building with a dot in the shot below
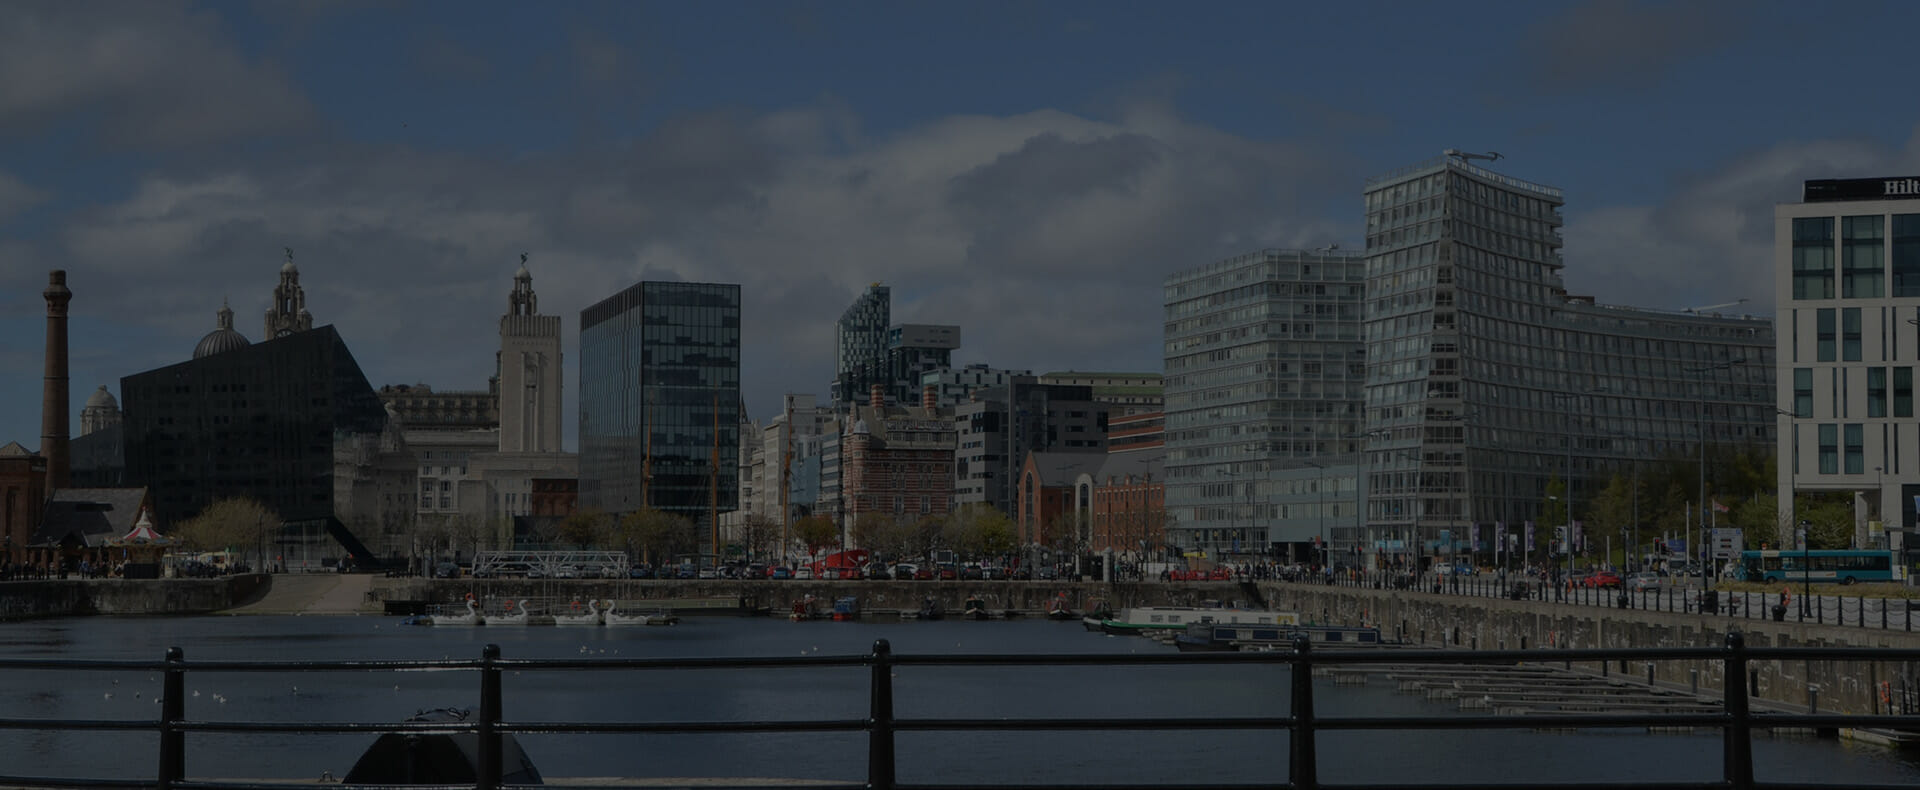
(1124, 393)
(1263, 372)
(660, 401)
(954, 386)
(1486, 379)
(913, 350)
(529, 368)
(1846, 266)
(997, 428)
(860, 340)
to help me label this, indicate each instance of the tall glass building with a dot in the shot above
(1485, 379)
(860, 340)
(1263, 374)
(660, 401)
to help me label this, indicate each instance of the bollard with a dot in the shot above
(1693, 679)
(1753, 683)
(1523, 643)
(1813, 699)
(1649, 673)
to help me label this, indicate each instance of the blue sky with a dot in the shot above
(1031, 171)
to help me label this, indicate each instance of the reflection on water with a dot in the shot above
(1099, 693)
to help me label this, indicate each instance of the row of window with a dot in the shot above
(1865, 262)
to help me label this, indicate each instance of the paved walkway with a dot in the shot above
(311, 593)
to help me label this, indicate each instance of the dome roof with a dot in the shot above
(223, 338)
(102, 399)
(220, 341)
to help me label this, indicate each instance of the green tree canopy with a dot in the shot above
(233, 524)
(816, 532)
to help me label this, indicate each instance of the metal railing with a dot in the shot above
(1736, 720)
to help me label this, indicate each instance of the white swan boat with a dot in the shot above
(472, 617)
(614, 618)
(590, 617)
(516, 615)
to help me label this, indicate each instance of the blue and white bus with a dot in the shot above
(1843, 566)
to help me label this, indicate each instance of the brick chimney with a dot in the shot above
(876, 397)
(929, 399)
(53, 395)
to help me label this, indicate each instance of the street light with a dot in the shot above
(1567, 491)
(1700, 413)
(1320, 490)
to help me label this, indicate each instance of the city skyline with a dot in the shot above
(1056, 164)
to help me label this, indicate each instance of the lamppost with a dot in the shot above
(1362, 531)
(1700, 412)
(1879, 495)
(1320, 490)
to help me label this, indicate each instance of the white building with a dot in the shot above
(1847, 285)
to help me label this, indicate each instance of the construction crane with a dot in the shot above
(1735, 302)
(1465, 156)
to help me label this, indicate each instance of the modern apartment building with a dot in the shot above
(1124, 393)
(1847, 285)
(860, 345)
(997, 428)
(1262, 425)
(660, 401)
(1486, 379)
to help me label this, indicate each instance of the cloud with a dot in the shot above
(1626, 43)
(137, 75)
(1046, 235)
(1710, 240)
(17, 196)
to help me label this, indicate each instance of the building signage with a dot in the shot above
(1830, 189)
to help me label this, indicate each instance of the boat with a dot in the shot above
(575, 615)
(804, 609)
(1059, 609)
(1208, 636)
(975, 609)
(931, 610)
(614, 618)
(472, 617)
(1138, 619)
(401, 758)
(515, 615)
(846, 607)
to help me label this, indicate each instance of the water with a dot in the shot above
(1463, 756)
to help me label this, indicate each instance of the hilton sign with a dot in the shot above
(1861, 189)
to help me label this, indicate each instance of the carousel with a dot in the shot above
(137, 554)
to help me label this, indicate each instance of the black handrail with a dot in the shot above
(1736, 719)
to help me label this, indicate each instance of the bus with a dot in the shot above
(1843, 566)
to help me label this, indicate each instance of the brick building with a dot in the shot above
(1129, 503)
(1050, 498)
(897, 461)
(23, 495)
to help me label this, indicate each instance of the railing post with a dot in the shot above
(880, 719)
(1738, 736)
(488, 777)
(1303, 770)
(173, 708)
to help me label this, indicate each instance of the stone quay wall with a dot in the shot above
(1501, 624)
(26, 600)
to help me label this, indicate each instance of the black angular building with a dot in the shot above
(273, 421)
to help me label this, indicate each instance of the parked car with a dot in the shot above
(972, 573)
(949, 571)
(707, 573)
(687, 572)
(566, 572)
(923, 573)
(905, 571)
(994, 572)
(756, 570)
(1603, 579)
(878, 572)
(1644, 580)
(641, 571)
(780, 572)
(803, 574)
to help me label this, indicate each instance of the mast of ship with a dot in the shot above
(713, 487)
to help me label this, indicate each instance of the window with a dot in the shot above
(1906, 255)
(1861, 270)
(1856, 449)
(1876, 392)
(1850, 334)
(1813, 258)
(1829, 449)
(1903, 392)
(1803, 392)
(1823, 334)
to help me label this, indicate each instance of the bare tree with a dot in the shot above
(233, 524)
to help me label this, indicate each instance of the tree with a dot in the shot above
(975, 530)
(925, 536)
(1762, 521)
(587, 529)
(652, 534)
(816, 532)
(1610, 513)
(759, 533)
(883, 535)
(231, 524)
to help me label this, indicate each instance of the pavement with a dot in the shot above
(310, 593)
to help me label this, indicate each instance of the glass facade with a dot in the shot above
(861, 345)
(1486, 379)
(1262, 383)
(660, 400)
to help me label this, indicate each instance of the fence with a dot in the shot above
(1735, 720)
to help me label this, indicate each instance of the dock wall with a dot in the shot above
(26, 600)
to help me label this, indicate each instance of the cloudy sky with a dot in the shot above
(1031, 171)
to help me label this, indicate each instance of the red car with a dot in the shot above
(1603, 579)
